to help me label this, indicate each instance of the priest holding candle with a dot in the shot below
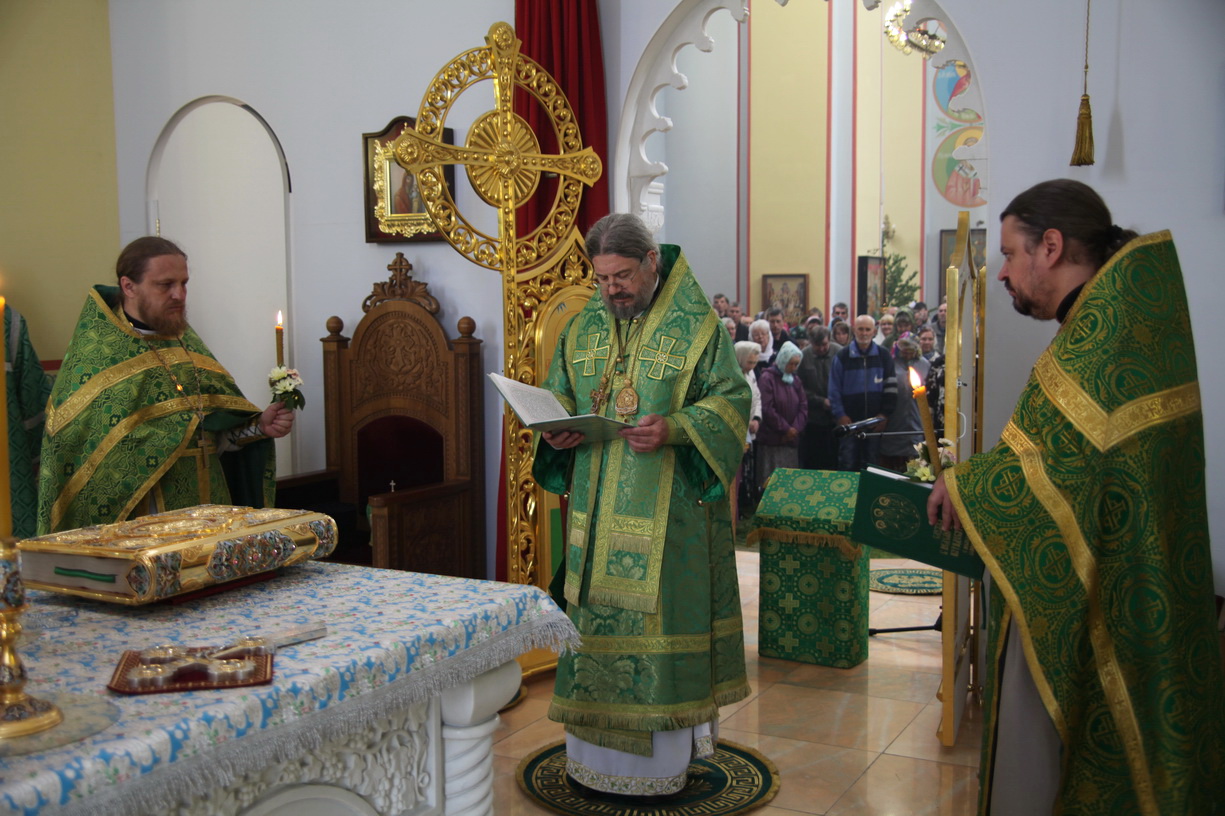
(1105, 692)
(143, 418)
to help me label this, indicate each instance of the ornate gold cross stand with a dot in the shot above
(546, 275)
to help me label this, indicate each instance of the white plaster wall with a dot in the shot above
(626, 27)
(321, 73)
(700, 194)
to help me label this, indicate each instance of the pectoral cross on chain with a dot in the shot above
(598, 398)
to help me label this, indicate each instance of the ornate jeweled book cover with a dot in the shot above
(154, 557)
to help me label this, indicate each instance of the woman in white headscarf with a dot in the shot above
(759, 333)
(784, 413)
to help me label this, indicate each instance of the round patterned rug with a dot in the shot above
(735, 780)
(906, 581)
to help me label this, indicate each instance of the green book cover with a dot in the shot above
(891, 514)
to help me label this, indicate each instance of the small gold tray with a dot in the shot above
(193, 681)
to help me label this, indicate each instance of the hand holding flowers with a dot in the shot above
(286, 386)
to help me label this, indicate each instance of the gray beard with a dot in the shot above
(626, 310)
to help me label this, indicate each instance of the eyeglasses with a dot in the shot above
(621, 280)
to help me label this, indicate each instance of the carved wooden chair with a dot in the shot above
(405, 439)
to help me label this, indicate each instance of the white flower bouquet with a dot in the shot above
(286, 386)
(919, 469)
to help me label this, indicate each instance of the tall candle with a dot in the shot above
(925, 415)
(280, 339)
(6, 495)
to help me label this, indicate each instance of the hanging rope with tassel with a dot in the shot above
(1082, 153)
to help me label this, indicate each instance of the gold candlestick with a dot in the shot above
(925, 415)
(20, 714)
(280, 340)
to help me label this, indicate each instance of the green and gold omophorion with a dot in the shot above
(121, 437)
(1090, 515)
(650, 566)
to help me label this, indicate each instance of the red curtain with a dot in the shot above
(564, 37)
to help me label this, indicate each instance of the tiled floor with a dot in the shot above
(855, 742)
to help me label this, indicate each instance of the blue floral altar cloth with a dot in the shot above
(394, 638)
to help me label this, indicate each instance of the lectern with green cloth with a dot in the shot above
(814, 579)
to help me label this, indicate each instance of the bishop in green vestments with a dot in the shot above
(650, 574)
(1090, 515)
(141, 410)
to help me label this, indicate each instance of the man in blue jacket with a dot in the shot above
(862, 385)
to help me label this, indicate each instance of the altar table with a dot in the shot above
(391, 712)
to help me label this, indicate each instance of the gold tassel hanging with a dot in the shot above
(1082, 152)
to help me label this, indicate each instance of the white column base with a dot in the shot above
(469, 718)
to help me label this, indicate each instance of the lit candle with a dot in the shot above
(280, 340)
(925, 414)
(6, 496)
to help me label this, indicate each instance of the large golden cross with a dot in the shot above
(546, 275)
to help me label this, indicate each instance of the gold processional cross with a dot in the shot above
(544, 273)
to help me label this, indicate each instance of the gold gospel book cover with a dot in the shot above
(154, 557)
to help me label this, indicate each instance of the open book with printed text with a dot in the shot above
(538, 409)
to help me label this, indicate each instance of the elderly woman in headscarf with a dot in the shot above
(784, 413)
(759, 333)
(747, 353)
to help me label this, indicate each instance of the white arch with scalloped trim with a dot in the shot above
(634, 181)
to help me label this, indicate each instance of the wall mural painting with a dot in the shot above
(952, 80)
(959, 130)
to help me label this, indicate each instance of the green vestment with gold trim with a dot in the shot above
(650, 564)
(120, 435)
(27, 388)
(1090, 515)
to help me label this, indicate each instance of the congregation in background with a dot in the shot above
(812, 380)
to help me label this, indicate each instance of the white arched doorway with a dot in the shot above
(218, 185)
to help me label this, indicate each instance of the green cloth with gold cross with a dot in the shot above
(814, 579)
(650, 576)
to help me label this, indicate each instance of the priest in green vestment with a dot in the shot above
(27, 388)
(1090, 515)
(650, 573)
(143, 418)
